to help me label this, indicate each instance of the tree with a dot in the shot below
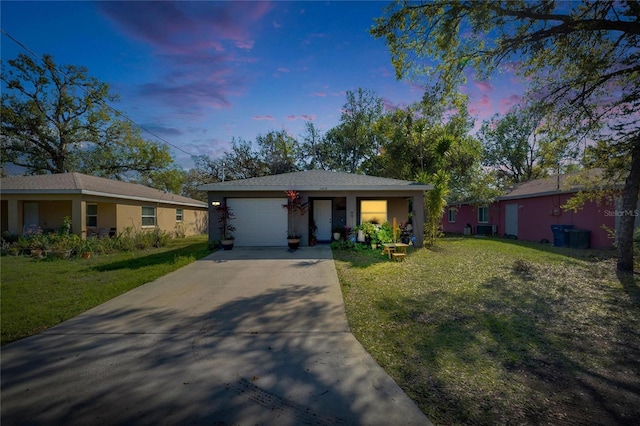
(435, 203)
(411, 141)
(511, 146)
(313, 149)
(204, 171)
(353, 142)
(279, 152)
(242, 161)
(582, 59)
(56, 120)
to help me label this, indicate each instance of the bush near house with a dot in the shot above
(45, 244)
(484, 331)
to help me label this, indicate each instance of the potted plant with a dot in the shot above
(294, 204)
(37, 244)
(225, 216)
(87, 247)
(337, 232)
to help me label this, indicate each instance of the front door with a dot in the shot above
(322, 218)
(511, 219)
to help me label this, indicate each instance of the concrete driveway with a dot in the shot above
(244, 337)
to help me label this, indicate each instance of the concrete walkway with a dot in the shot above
(244, 337)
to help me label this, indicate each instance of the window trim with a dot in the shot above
(87, 215)
(179, 215)
(455, 213)
(146, 216)
(485, 208)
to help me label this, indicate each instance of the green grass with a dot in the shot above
(37, 294)
(483, 331)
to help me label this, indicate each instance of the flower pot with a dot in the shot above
(336, 236)
(227, 244)
(293, 243)
(36, 253)
(86, 254)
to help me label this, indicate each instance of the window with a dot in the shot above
(179, 215)
(374, 211)
(483, 214)
(452, 215)
(148, 216)
(92, 215)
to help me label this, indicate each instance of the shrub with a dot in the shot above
(343, 245)
(385, 234)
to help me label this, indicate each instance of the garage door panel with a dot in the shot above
(259, 221)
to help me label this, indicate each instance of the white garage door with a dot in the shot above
(259, 221)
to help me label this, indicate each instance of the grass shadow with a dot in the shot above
(141, 261)
(514, 339)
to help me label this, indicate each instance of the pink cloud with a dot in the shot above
(308, 117)
(263, 117)
(291, 117)
(508, 102)
(283, 69)
(484, 86)
(245, 44)
(276, 24)
(320, 94)
(199, 44)
(175, 26)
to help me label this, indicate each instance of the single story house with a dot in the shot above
(96, 206)
(335, 200)
(530, 209)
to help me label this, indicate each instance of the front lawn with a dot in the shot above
(40, 293)
(483, 331)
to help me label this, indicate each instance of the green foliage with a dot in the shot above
(435, 205)
(511, 146)
(352, 143)
(75, 246)
(371, 232)
(385, 234)
(56, 119)
(344, 244)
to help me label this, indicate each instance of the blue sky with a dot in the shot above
(201, 73)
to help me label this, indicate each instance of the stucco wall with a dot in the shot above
(397, 206)
(537, 214)
(194, 221)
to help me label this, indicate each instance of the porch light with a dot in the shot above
(215, 203)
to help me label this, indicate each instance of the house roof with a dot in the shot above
(78, 183)
(557, 184)
(316, 180)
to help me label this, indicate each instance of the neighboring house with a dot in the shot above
(96, 206)
(528, 211)
(335, 200)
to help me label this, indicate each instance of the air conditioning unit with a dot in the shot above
(487, 230)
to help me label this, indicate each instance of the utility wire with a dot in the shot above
(120, 113)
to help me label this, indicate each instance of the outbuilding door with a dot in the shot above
(259, 221)
(511, 219)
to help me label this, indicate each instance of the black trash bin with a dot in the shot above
(579, 238)
(560, 235)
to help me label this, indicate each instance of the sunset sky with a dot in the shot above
(198, 74)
